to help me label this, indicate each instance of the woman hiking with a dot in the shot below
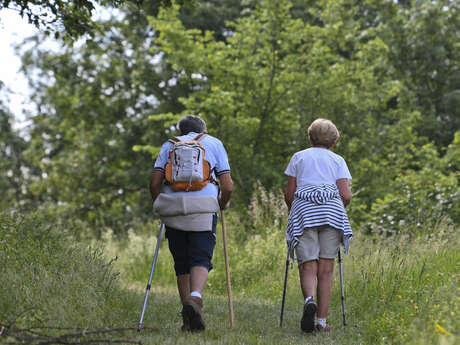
(317, 193)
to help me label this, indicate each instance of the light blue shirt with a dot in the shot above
(215, 154)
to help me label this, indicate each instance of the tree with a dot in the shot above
(13, 166)
(258, 78)
(93, 101)
(70, 18)
(91, 105)
(261, 88)
(423, 41)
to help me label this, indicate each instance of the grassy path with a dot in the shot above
(398, 295)
(256, 322)
(397, 292)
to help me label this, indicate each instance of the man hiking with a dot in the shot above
(187, 198)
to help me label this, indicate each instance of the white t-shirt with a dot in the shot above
(215, 154)
(317, 165)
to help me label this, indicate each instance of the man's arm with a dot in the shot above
(290, 190)
(156, 181)
(226, 189)
(344, 190)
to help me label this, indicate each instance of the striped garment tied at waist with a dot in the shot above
(317, 205)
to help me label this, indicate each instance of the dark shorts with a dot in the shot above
(191, 248)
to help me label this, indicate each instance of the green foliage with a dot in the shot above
(420, 199)
(91, 116)
(92, 102)
(423, 41)
(12, 162)
(258, 72)
(46, 279)
(273, 75)
(451, 160)
(65, 19)
(134, 253)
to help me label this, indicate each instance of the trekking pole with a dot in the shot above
(152, 271)
(227, 270)
(341, 288)
(284, 288)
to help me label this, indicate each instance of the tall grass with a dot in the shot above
(398, 290)
(406, 292)
(48, 279)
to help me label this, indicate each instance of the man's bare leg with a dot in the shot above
(191, 312)
(183, 285)
(198, 278)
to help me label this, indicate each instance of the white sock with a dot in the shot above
(308, 299)
(321, 322)
(195, 294)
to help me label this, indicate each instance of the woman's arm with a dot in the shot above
(290, 190)
(344, 190)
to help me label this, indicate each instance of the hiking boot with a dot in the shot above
(320, 328)
(191, 314)
(307, 324)
(186, 323)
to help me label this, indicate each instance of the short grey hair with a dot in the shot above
(323, 132)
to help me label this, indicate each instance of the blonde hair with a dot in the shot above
(323, 132)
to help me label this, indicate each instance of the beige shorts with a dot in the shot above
(320, 242)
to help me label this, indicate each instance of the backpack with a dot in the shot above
(187, 169)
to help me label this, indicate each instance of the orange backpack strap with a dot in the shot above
(174, 140)
(200, 136)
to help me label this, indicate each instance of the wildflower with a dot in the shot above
(441, 329)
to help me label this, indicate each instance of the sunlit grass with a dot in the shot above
(397, 290)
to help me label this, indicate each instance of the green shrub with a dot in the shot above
(48, 279)
(418, 200)
(134, 253)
